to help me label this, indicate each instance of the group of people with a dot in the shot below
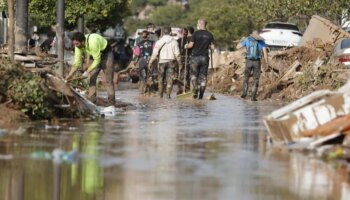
(161, 59)
(185, 60)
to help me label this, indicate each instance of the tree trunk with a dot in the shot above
(60, 36)
(21, 34)
(11, 30)
(80, 23)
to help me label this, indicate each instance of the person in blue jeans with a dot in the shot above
(255, 46)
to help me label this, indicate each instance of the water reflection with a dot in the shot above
(208, 150)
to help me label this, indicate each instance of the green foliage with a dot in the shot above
(26, 92)
(97, 13)
(230, 20)
(138, 5)
(168, 16)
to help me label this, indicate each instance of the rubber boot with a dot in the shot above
(111, 101)
(195, 94)
(201, 92)
(160, 91)
(245, 89)
(169, 88)
(168, 93)
(254, 92)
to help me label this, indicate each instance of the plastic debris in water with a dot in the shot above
(57, 155)
(60, 155)
(57, 127)
(20, 131)
(107, 111)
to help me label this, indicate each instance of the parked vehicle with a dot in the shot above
(280, 34)
(346, 26)
(342, 52)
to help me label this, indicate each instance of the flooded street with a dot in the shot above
(160, 150)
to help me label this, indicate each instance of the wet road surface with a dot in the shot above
(160, 150)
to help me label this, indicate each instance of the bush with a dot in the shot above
(27, 93)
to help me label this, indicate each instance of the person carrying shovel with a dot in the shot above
(200, 43)
(102, 54)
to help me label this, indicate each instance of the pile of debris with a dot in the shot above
(292, 73)
(317, 124)
(33, 93)
(40, 94)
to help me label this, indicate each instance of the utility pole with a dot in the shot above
(21, 35)
(11, 41)
(60, 36)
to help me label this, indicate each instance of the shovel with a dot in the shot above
(185, 95)
(212, 66)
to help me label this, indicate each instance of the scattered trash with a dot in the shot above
(107, 111)
(57, 127)
(19, 131)
(60, 155)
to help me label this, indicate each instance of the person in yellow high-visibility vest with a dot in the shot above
(102, 54)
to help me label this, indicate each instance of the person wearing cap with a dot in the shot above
(254, 45)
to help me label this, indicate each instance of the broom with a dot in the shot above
(185, 95)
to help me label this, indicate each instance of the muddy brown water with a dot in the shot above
(161, 149)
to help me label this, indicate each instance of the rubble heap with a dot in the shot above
(292, 73)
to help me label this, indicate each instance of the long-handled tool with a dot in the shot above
(212, 96)
(184, 94)
(185, 71)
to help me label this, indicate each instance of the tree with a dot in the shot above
(11, 30)
(21, 35)
(98, 14)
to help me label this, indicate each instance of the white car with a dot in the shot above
(342, 52)
(280, 34)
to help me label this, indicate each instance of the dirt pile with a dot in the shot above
(291, 73)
